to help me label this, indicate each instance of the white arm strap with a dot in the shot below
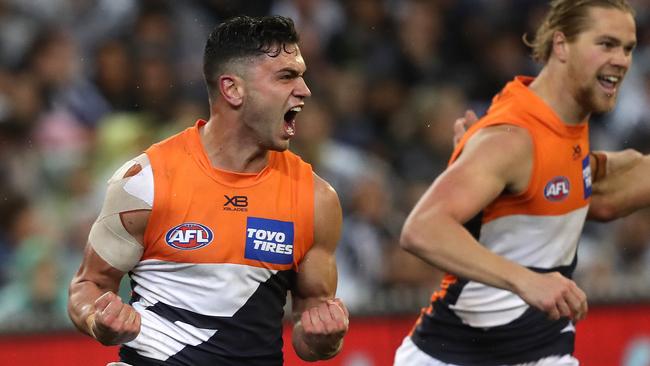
(108, 237)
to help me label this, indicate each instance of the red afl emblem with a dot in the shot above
(557, 189)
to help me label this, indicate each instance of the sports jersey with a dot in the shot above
(221, 249)
(469, 323)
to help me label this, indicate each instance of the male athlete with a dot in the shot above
(504, 219)
(216, 223)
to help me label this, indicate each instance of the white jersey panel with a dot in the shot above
(160, 338)
(193, 286)
(535, 241)
(482, 306)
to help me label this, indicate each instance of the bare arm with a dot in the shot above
(624, 187)
(93, 304)
(320, 320)
(494, 160)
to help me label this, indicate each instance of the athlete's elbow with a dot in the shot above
(411, 239)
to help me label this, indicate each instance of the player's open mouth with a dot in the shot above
(609, 83)
(290, 120)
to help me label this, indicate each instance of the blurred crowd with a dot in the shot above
(87, 84)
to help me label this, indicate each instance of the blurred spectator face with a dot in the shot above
(156, 82)
(113, 68)
(154, 30)
(367, 13)
(420, 31)
(503, 57)
(25, 99)
(24, 224)
(55, 58)
(438, 116)
(348, 92)
(371, 198)
(44, 285)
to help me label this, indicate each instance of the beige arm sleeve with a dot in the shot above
(108, 237)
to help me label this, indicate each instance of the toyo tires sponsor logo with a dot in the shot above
(269, 240)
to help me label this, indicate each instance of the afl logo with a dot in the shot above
(189, 236)
(557, 189)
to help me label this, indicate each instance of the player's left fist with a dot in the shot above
(326, 322)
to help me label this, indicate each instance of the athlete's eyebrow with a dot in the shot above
(292, 72)
(610, 39)
(616, 42)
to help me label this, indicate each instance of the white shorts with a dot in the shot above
(118, 364)
(408, 354)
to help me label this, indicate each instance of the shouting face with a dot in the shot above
(275, 93)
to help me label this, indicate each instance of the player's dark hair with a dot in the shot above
(242, 37)
(569, 17)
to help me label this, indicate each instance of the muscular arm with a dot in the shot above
(93, 305)
(320, 320)
(495, 160)
(624, 188)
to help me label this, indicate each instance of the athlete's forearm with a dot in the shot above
(322, 350)
(625, 188)
(444, 243)
(81, 299)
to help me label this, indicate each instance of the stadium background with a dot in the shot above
(87, 84)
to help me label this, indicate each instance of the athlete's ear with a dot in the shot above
(560, 46)
(232, 89)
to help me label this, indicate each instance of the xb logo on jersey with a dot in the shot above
(189, 236)
(235, 203)
(557, 189)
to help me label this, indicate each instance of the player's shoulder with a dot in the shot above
(325, 196)
(507, 138)
(131, 168)
(134, 178)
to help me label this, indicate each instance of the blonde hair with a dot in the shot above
(570, 18)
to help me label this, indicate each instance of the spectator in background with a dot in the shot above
(15, 225)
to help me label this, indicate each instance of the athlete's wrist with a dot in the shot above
(599, 166)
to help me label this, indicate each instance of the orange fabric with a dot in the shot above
(556, 144)
(447, 281)
(187, 189)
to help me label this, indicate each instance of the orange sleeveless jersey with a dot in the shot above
(189, 190)
(471, 323)
(221, 252)
(554, 141)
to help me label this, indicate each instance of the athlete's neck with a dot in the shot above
(228, 150)
(554, 89)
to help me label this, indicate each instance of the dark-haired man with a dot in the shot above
(216, 223)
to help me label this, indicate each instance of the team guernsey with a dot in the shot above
(221, 249)
(469, 323)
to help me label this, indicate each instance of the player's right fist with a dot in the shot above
(113, 321)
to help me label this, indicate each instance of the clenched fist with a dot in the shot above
(113, 321)
(324, 326)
